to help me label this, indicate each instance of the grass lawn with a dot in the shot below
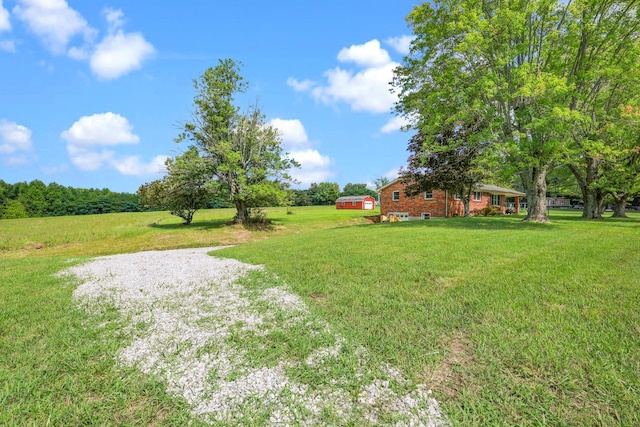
(508, 323)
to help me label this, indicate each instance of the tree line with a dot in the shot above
(35, 199)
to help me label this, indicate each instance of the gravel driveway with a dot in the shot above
(194, 326)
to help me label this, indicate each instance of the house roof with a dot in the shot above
(494, 189)
(487, 188)
(352, 198)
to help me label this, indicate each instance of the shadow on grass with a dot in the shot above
(514, 222)
(215, 225)
(195, 225)
(511, 222)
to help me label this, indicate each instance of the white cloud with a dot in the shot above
(88, 137)
(88, 160)
(314, 167)
(395, 124)
(367, 90)
(369, 54)
(401, 44)
(8, 45)
(54, 22)
(15, 144)
(101, 129)
(114, 17)
(311, 158)
(119, 53)
(300, 86)
(291, 131)
(364, 89)
(14, 138)
(5, 24)
(133, 166)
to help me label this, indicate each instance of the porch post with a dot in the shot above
(517, 205)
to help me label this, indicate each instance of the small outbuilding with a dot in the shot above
(366, 203)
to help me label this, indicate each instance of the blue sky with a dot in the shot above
(92, 93)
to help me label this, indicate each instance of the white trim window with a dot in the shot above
(426, 215)
(396, 196)
(428, 195)
(353, 203)
(456, 197)
(496, 199)
(477, 196)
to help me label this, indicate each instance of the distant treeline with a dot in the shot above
(326, 193)
(35, 199)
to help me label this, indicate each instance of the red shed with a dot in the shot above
(356, 202)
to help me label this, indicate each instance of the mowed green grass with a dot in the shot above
(508, 323)
(132, 232)
(55, 367)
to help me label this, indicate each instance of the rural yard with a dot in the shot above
(208, 338)
(319, 318)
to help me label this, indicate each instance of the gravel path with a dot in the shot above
(213, 342)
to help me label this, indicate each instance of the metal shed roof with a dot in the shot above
(352, 198)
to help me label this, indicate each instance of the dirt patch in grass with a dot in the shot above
(447, 377)
(319, 299)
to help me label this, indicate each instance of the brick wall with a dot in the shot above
(416, 206)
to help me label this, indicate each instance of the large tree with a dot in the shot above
(243, 153)
(601, 52)
(185, 188)
(543, 73)
(324, 193)
(357, 190)
(449, 160)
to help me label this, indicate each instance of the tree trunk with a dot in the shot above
(592, 197)
(242, 212)
(535, 184)
(465, 195)
(620, 206)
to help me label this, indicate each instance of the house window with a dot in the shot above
(353, 203)
(477, 196)
(402, 216)
(426, 215)
(396, 196)
(495, 200)
(456, 197)
(342, 203)
(428, 195)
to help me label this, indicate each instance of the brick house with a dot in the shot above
(443, 204)
(356, 202)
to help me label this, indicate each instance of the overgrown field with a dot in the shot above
(508, 323)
